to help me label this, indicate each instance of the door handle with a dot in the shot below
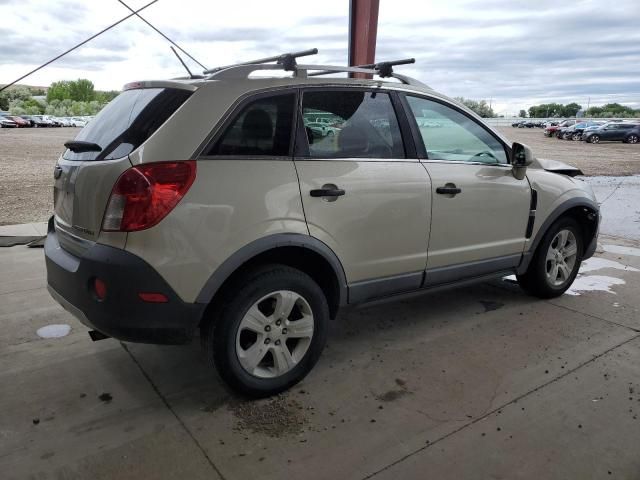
(449, 189)
(327, 192)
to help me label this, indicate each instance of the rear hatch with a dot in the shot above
(88, 169)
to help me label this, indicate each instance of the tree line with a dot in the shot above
(63, 99)
(548, 110)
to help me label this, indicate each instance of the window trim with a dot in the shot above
(301, 150)
(231, 116)
(421, 148)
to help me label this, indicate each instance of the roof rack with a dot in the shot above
(287, 62)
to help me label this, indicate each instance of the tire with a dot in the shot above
(633, 138)
(594, 139)
(576, 136)
(232, 331)
(538, 279)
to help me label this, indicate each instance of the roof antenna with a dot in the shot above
(182, 62)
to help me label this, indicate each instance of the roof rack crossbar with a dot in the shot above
(288, 60)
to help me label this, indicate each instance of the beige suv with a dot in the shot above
(210, 204)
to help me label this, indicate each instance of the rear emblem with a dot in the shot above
(57, 172)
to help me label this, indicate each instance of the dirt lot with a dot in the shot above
(27, 157)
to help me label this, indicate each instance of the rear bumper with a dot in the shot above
(122, 314)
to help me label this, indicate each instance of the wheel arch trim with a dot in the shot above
(560, 210)
(264, 244)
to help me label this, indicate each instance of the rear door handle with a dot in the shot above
(449, 189)
(327, 192)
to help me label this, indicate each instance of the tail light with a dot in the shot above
(145, 194)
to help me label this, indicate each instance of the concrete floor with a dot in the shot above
(481, 382)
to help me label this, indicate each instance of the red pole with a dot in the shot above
(363, 30)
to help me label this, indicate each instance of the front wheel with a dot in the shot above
(633, 138)
(269, 332)
(576, 136)
(594, 139)
(556, 261)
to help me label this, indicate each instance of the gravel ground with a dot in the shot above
(27, 158)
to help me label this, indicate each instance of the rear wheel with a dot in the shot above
(594, 139)
(269, 331)
(576, 136)
(556, 261)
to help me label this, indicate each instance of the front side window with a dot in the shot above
(351, 124)
(450, 135)
(262, 128)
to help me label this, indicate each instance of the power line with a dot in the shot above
(78, 45)
(167, 38)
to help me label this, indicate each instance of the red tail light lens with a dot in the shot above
(145, 194)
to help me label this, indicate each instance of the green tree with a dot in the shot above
(571, 109)
(522, 114)
(59, 90)
(13, 93)
(481, 108)
(82, 90)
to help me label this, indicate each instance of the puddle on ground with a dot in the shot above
(54, 331)
(622, 250)
(593, 283)
(597, 263)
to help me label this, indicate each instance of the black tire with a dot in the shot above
(576, 136)
(535, 281)
(594, 139)
(633, 138)
(221, 330)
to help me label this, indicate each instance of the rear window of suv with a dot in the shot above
(125, 123)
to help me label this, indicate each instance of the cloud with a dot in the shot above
(516, 53)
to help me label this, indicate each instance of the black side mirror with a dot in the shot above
(521, 158)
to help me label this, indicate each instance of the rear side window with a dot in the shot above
(130, 118)
(351, 124)
(262, 128)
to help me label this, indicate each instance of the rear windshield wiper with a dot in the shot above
(78, 146)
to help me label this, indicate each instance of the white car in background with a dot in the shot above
(77, 122)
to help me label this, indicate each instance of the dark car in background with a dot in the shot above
(615, 132)
(575, 132)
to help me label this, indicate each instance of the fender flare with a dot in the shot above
(555, 214)
(264, 244)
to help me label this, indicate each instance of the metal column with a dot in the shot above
(363, 30)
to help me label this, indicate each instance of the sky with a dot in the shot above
(512, 53)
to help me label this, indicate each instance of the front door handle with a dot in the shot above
(327, 192)
(449, 189)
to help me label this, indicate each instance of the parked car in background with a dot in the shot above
(615, 132)
(29, 118)
(42, 121)
(77, 122)
(21, 122)
(6, 122)
(575, 132)
(551, 130)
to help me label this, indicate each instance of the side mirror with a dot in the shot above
(521, 158)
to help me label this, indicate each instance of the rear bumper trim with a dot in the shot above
(122, 314)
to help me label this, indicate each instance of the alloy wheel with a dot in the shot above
(633, 139)
(561, 258)
(274, 334)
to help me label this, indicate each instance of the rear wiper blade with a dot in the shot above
(78, 146)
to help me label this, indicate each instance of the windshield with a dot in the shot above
(125, 123)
